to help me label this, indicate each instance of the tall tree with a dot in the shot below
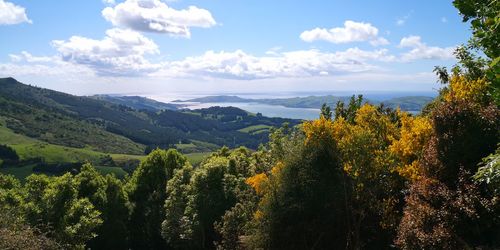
(147, 194)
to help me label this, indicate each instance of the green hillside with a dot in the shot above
(137, 102)
(97, 124)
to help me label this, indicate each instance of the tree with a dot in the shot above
(175, 227)
(303, 204)
(484, 21)
(350, 112)
(147, 195)
(326, 112)
(7, 154)
(53, 205)
(374, 201)
(211, 194)
(113, 233)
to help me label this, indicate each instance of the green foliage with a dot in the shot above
(305, 198)
(209, 198)
(113, 233)
(489, 172)
(326, 112)
(349, 112)
(176, 223)
(147, 194)
(485, 21)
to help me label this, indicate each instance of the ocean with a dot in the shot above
(277, 110)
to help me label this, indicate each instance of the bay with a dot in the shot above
(264, 109)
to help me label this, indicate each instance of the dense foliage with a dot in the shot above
(367, 177)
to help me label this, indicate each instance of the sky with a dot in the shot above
(155, 47)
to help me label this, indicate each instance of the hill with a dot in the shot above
(137, 102)
(406, 103)
(98, 124)
(59, 118)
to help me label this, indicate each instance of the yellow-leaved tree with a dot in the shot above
(415, 133)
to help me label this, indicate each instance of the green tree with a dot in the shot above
(176, 224)
(109, 198)
(484, 22)
(303, 202)
(326, 112)
(210, 196)
(349, 112)
(147, 195)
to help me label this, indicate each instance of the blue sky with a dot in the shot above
(153, 47)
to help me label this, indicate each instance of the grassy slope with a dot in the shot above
(28, 148)
(255, 129)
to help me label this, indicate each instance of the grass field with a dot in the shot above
(197, 158)
(118, 172)
(255, 129)
(29, 148)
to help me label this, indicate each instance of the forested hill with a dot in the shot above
(138, 102)
(405, 103)
(76, 121)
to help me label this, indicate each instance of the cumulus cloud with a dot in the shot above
(351, 32)
(301, 63)
(121, 52)
(12, 14)
(156, 16)
(420, 50)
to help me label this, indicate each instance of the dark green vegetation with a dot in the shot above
(53, 132)
(359, 177)
(407, 103)
(83, 122)
(137, 102)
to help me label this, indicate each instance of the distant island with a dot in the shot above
(405, 103)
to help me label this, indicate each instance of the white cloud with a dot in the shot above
(124, 53)
(27, 57)
(379, 41)
(12, 14)
(420, 50)
(121, 52)
(301, 63)
(351, 32)
(156, 16)
(109, 2)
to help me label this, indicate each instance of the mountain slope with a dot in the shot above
(137, 102)
(75, 121)
(47, 115)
